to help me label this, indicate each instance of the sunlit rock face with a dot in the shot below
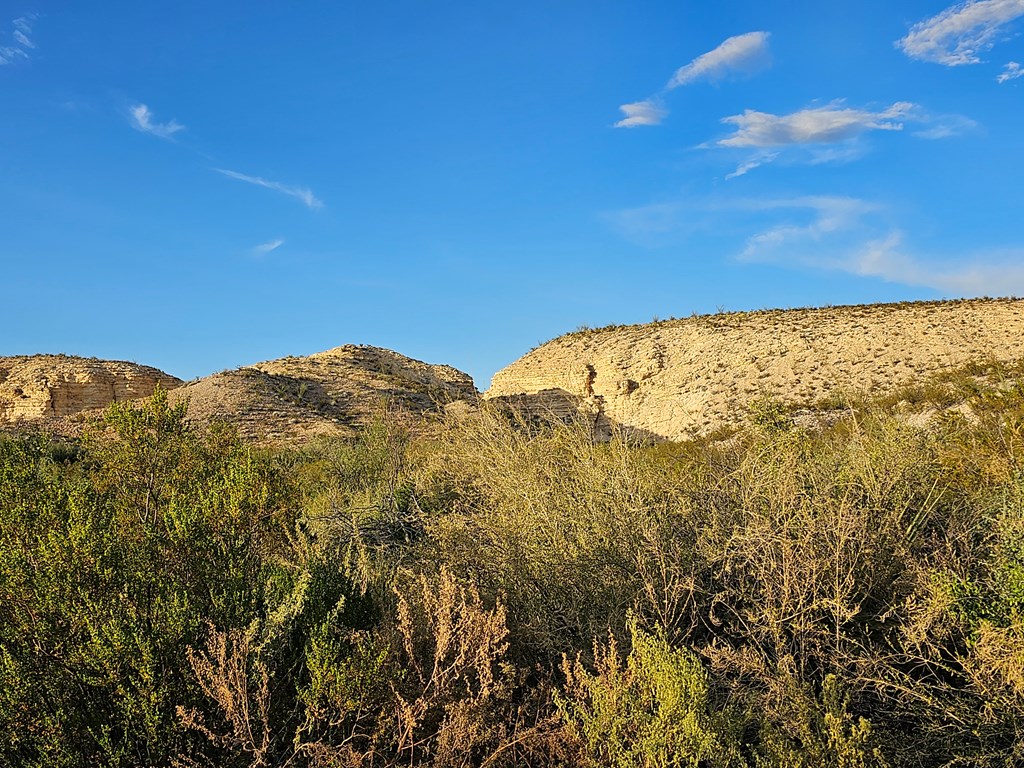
(688, 378)
(36, 388)
(331, 393)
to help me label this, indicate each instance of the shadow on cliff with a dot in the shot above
(561, 406)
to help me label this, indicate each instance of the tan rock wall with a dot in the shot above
(686, 378)
(43, 387)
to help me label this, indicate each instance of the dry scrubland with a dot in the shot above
(491, 592)
(832, 585)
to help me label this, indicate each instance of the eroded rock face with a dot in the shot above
(37, 388)
(327, 393)
(688, 378)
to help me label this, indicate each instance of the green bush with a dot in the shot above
(653, 710)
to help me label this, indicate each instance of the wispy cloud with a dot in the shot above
(1011, 71)
(850, 235)
(751, 163)
(141, 119)
(652, 225)
(21, 40)
(264, 248)
(300, 193)
(647, 112)
(828, 215)
(828, 134)
(822, 125)
(742, 54)
(822, 232)
(945, 126)
(959, 34)
(974, 275)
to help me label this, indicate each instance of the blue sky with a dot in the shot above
(199, 186)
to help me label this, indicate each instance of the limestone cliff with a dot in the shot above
(327, 393)
(38, 388)
(687, 378)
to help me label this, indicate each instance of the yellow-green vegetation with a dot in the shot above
(847, 592)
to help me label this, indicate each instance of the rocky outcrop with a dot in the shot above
(328, 393)
(688, 378)
(40, 388)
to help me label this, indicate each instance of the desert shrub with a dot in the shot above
(564, 528)
(652, 709)
(818, 730)
(109, 568)
(427, 683)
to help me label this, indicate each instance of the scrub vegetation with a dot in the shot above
(492, 593)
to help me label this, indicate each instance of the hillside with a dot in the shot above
(327, 393)
(687, 378)
(40, 388)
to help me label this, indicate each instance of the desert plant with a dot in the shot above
(652, 709)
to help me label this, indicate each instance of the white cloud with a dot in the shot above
(647, 112)
(974, 276)
(750, 164)
(822, 232)
(957, 35)
(22, 41)
(829, 134)
(742, 53)
(141, 119)
(850, 235)
(822, 154)
(829, 215)
(300, 193)
(1011, 71)
(946, 126)
(822, 125)
(264, 248)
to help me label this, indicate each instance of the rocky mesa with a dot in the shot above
(37, 388)
(681, 379)
(328, 393)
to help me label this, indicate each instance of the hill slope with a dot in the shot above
(328, 393)
(687, 378)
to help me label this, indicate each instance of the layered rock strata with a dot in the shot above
(39, 388)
